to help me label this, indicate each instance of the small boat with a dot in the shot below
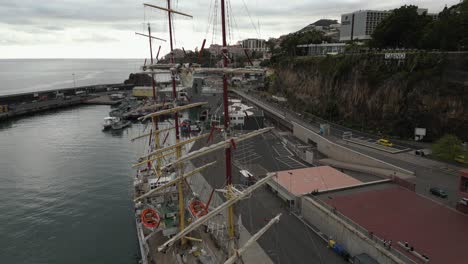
(108, 121)
(116, 96)
(198, 208)
(150, 218)
(121, 124)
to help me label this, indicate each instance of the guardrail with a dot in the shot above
(361, 229)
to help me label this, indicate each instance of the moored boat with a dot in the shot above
(120, 124)
(108, 121)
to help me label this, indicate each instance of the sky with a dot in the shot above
(106, 28)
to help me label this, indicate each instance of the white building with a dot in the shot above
(255, 45)
(361, 24)
(323, 49)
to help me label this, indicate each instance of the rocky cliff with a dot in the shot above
(390, 96)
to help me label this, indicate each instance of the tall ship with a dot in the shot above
(175, 215)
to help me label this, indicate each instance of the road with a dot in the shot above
(429, 173)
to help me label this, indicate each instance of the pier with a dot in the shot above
(16, 105)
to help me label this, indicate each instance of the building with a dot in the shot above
(183, 93)
(462, 205)
(254, 45)
(241, 116)
(323, 49)
(365, 218)
(290, 185)
(236, 50)
(361, 24)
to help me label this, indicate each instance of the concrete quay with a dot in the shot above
(16, 105)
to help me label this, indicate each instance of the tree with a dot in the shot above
(449, 31)
(447, 148)
(402, 28)
(289, 44)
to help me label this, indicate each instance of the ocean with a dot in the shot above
(31, 75)
(66, 186)
(66, 189)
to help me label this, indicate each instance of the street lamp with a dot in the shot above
(74, 82)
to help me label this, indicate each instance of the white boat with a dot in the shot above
(121, 124)
(115, 123)
(109, 121)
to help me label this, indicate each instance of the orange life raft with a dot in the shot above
(150, 218)
(198, 208)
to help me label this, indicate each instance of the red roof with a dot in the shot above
(464, 173)
(302, 181)
(398, 214)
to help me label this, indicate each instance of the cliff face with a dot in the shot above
(390, 96)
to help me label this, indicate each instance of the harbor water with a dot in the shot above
(66, 189)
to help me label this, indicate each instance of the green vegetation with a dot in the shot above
(402, 28)
(288, 46)
(447, 148)
(405, 28)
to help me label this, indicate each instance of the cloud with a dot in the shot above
(95, 38)
(104, 25)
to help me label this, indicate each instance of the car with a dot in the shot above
(464, 201)
(461, 159)
(385, 142)
(438, 192)
(364, 259)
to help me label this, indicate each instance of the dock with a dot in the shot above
(102, 99)
(16, 105)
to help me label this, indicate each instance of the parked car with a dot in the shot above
(461, 159)
(420, 153)
(438, 192)
(364, 259)
(385, 142)
(464, 201)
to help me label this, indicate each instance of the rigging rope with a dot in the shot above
(250, 17)
(208, 24)
(215, 22)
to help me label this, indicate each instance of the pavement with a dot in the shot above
(429, 173)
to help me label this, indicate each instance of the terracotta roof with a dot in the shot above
(303, 181)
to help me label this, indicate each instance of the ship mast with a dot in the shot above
(180, 184)
(228, 153)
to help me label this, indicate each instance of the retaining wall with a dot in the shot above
(340, 153)
(353, 240)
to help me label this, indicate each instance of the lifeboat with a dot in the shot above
(198, 208)
(150, 218)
